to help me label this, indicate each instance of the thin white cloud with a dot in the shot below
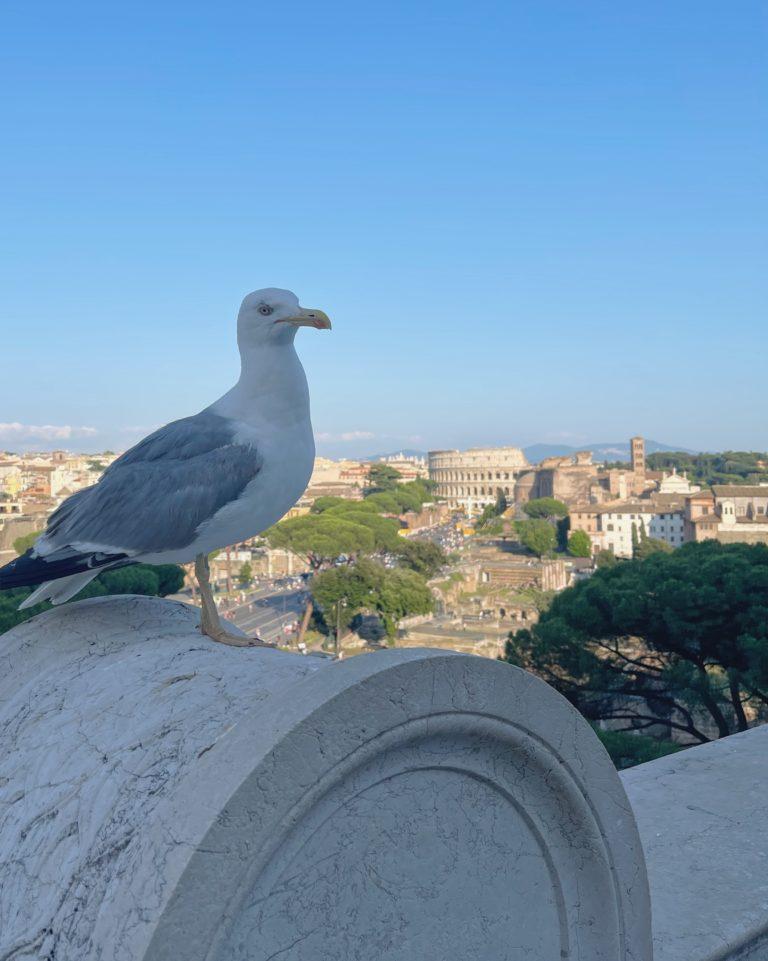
(349, 435)
(44, 432)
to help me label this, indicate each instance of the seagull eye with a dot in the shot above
(265, 310)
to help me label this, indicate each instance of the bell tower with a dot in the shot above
(637, 446)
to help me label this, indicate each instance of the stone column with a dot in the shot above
(165, 798)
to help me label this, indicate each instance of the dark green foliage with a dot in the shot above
(400, 497)
(606, 558)
(137, 579)
(537, 535)
(384, 529)
(245, 574)
(685, 631)
(579, 544)
(424, 557)
(369, 586)
(325, 503)
(627, 750)
(728, 467)
(541, 507)
(344, 506)
(382, 477)
(651, 545)
(385, 502)
(643, 545)
(487, 521)
(9, 601)
(170, 578)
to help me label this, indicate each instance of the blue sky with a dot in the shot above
(529, 221)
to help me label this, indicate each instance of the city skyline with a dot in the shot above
(526, 221)
(45, 439)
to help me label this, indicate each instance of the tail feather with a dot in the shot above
(32, 568)
(59, 590)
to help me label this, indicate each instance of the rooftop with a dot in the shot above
(740, 490)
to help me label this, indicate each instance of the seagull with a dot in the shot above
(198, 484)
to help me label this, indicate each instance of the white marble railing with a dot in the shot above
(168, 799)
(703, 820)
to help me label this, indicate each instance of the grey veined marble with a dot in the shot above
(165, 798)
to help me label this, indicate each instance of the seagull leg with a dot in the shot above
(210, 623)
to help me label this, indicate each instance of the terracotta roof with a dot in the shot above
(740, 490)
(642, 507)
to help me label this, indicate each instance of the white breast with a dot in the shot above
(287, 460)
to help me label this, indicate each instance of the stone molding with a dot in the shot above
(174, 799)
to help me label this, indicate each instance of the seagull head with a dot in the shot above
(272, 315)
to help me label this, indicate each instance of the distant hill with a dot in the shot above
(618, 450)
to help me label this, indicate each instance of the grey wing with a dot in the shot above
(155, 497)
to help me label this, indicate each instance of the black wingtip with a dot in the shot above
(31, 568)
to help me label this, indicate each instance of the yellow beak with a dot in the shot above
(309, 317)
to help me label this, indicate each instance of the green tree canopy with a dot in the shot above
(320, 538)
(627, 749)
(382, 477)
(494, 527)
(384, 529)
(606, 558)
(344, 505)
(22, 544)
(170, 578)
(538, 536)
(728, 467)
(541, 507)
(385, 502)
(677, 637)
(579, 544)
(135, 579)
(369, 586)
(397, 498)
(424, 557)
(325, 503)
(643, 545)
(487, 521)
(245, 574)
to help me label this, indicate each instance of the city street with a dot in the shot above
(266, 612)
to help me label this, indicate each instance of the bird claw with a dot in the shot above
(236, 640)
(257, 642)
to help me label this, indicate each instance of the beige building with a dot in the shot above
(729, 513)
(575, 479)
(614, 526)
(469, 479)
(10, 478)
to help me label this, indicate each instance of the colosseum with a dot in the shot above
(470, 479)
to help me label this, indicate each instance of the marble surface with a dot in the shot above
(163, 798)
(703, 820)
